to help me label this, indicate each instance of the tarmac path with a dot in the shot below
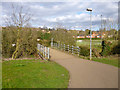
(85, 73)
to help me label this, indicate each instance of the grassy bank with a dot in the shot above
(33, 74)
(111, 60)
(108, 60)
(96, 45)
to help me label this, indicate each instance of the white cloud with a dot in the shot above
(37, 7)
(59, 1)
(68, 13)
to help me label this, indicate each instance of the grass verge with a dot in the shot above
(108, 60)
(111, 60)
(33, 74)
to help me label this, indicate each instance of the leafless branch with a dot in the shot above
(19, 16)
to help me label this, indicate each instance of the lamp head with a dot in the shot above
(89, 9)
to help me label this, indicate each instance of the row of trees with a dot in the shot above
(62, 36)
(24, 43)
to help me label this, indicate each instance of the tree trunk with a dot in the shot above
(14, 55)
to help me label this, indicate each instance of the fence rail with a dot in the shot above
(43, 51)
(70, 49)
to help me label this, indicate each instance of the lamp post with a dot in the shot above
(90, 10)
(51, 42)
(101, 28)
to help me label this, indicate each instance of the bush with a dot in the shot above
(28, 41)
(46, 43)
(95, 52)
(62, 36)
(106, 48)
(27, 45)
(116, 49)
(84, 51)
(8, 38)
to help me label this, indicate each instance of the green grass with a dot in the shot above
(89, 39)
(87, 43)
(33, 74)
(111, 60)
(94, 42)
(108, 60)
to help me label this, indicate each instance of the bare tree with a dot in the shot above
(19, 18)
(59, 26)
(112, 26)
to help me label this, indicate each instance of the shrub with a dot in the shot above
(46, 43)
(8, 38)
(106, 48)
(62, 36)
(115, 49)
(84, 51)
(27, 46)
(95, 52)
(28, 41)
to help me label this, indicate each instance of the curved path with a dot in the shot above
(85, 73)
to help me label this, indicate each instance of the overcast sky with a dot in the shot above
(69, 14)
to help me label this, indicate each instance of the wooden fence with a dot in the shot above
(70, 49)
(44, 52)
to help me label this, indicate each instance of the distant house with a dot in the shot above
(43, 30)
(81, 36)
(73, 36)
(98, 36)
(88, 36)
(91, 36)
(95, 34)
(48, 32)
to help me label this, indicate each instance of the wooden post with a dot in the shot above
(40, 47)
(54, 45)
(45, 52)
(78, 50)
(51, 42)
(58, 46)
(48, 53)
(64, 47)
(68, 48)
(61, 46)
(72, 49)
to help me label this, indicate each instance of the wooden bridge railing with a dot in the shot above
(44, 52)
(70, 49)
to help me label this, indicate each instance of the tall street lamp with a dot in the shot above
(101, 28)
(90, 10)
